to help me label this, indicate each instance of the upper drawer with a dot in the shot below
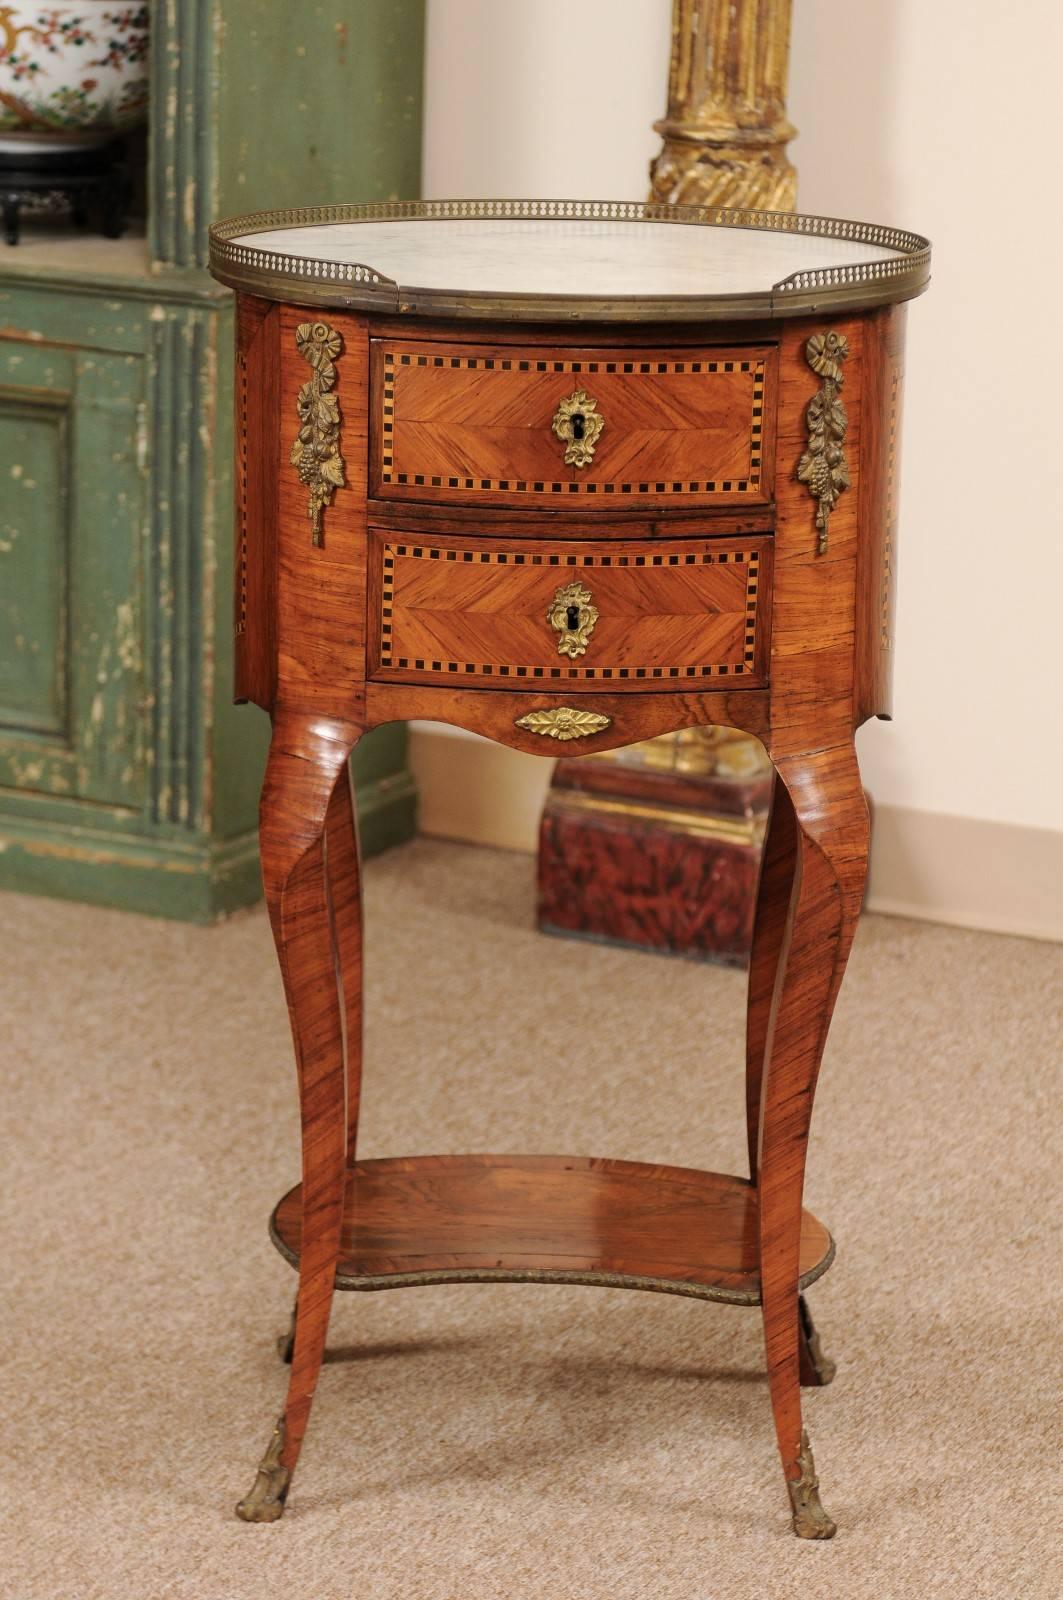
(510, 426)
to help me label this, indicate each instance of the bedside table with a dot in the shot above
(570, 475)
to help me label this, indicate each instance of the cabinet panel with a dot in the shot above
(71, 513)
(34, 565)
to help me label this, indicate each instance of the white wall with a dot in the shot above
(552, 99)
(941, 117)
(936, 117)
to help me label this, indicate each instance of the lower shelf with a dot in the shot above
(417, 1220)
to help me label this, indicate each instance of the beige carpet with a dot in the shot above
(518, 1441)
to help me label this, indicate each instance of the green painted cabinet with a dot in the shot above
(72, 681)
(127, 777)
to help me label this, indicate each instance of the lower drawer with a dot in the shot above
(634, 615)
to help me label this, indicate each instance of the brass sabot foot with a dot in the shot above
(819, 1369)
(810, 1519)
(265, 1503)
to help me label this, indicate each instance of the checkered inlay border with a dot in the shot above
(747, 485)
(733, 669)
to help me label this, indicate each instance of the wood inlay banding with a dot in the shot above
(240, 620)
(886, 600)
(458, 425)
(691, 610)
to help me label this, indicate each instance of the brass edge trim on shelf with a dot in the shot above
(359, 285)
(593, 1280)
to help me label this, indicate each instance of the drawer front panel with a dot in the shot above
(476, 424)
(577, 615)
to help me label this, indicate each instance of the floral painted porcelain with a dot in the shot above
(72, 73)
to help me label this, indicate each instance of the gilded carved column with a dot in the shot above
(725, 132)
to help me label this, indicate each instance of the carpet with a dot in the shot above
(480, 1441)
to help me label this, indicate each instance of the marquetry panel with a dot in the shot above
(470, 611)
(473, 423)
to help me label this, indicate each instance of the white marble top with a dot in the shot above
(579, 258)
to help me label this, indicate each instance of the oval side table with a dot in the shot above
(570, 475)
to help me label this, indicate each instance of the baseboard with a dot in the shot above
(193, 881)
(997, 876)
(972, 873)
(185, 880)
(387, 811)
(476, 791)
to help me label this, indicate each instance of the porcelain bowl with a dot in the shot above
(71, 74)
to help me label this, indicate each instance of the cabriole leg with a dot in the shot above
(308, 756)
(769, 923)
(831, 842)
(343, 865)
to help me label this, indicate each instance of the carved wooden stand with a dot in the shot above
(382, 580)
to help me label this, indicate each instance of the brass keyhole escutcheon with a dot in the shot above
(573, 614)
(579, 427)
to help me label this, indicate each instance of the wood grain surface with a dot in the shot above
(497, 1216)
(454, 421)
(476, 609)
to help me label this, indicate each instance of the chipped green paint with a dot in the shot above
(127, 777)
(70, 665)
(320, 103)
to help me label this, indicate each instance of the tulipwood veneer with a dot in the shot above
(673, 510)
(472, 423)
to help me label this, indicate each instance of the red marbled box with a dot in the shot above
(659, 860)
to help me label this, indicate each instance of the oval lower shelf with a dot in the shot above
(415, 1220)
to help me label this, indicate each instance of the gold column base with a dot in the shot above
(708, 172)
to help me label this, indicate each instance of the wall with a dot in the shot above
(931, 117)
(944, 109)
